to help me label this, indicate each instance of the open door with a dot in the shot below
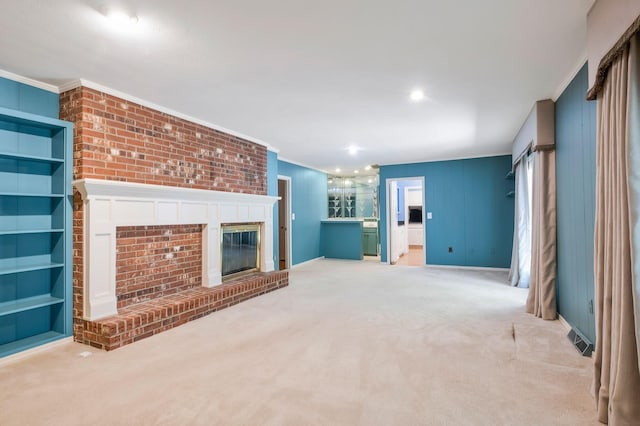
(406, 241)
(284, 222)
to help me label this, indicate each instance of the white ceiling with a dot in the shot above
(313, 77)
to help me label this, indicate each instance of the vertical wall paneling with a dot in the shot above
(576, 168)
(472, 222)
(22, 97)
(308, 203)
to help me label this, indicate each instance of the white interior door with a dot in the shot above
(395, 243)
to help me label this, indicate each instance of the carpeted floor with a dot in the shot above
(353, 343)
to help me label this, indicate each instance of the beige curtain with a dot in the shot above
(542, 290)
(617, 371)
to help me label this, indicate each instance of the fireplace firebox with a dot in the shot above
(240, 249)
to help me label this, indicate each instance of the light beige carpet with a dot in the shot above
(347, 343)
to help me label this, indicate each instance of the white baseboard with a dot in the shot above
(10, 359)
(564, 323)
(306, 262)
(468, 268)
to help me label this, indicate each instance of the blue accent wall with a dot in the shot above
(471, 212)
(30, 99)
(272, 189)
(576, 180)
(309, 204)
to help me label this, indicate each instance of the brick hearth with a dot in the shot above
(142, 320)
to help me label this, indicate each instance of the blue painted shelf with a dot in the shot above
(35, 230)
(15, 156)
(28, 303)
(25, 194)
(30, 342)
(31, 231)
(29, 268)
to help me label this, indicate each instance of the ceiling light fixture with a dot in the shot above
(353, 150)
(121, 21)
(337, 169)
(417, 95)
(121, 18)
(356, 172)
(367, 168)
(369, 181)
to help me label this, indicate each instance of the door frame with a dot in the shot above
(289, 230)
(424, 213)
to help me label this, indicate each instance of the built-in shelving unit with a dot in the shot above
(342, 198)
(35, 230)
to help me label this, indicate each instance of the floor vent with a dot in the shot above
(584, 346)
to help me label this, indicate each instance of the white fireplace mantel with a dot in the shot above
(109, 204)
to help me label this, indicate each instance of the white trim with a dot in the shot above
(113, 92)
(109, 204)
(569, 78)
(29, 81)
(468, 268)
(289, 260)
(297, 265)
(564, 323)
(471, 157)
(10, 359)
(296, 163)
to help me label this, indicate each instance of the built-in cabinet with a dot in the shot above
(353, 196)
(35, 230)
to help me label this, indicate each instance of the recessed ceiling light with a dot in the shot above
(121, 21)
(353, 150)
(367, 168)
(369, 181)
(355, 171)
(417, 95)
(121, 18)
(337, 169)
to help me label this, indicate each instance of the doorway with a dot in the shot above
(406, 225)
(284, 222)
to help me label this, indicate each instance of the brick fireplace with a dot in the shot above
(151, 193)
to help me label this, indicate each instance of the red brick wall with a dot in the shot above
(155, 261)
(121, 140)
(115, 139)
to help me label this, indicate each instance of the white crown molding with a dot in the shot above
(29, 81)
(113, 92)
(73, 84)
(296, 163)
(437, 159)
(569, 78)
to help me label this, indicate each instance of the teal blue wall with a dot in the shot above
(342, 240)
(576, 177)
(309, 204)
(272, 189)
(471, 212)
(30, 99)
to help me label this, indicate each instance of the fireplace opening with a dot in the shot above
(240, 249)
